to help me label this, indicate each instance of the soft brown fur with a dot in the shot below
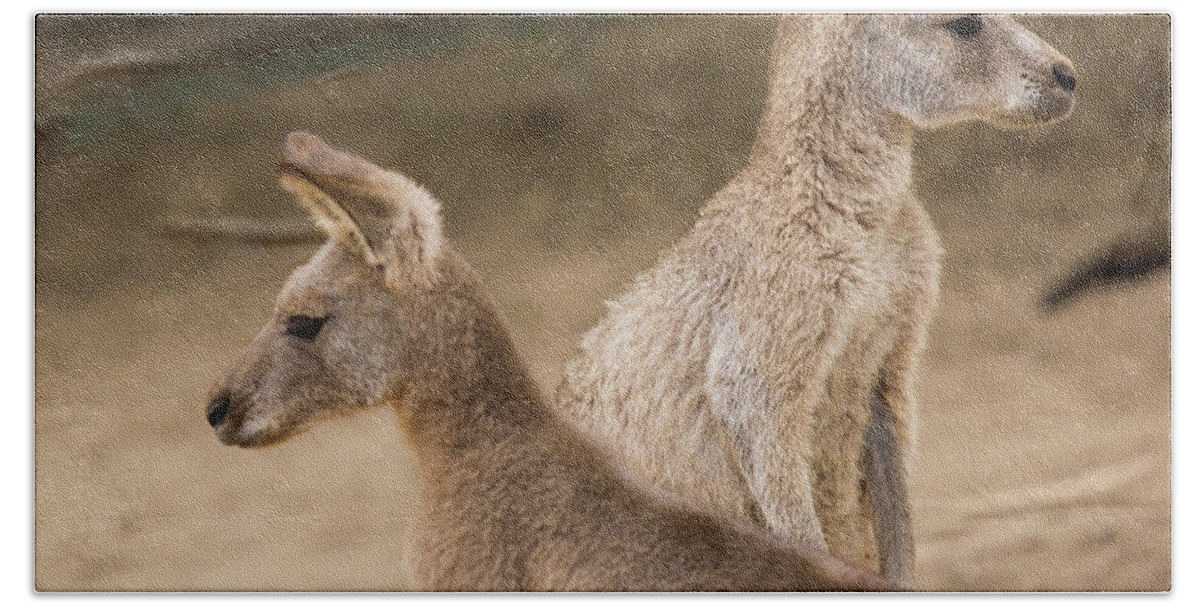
(764, 367)
(511, 498)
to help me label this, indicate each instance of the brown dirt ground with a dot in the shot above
(567, 153)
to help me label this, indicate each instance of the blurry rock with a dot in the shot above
(1140, 253)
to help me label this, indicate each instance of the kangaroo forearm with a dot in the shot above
(885, 471)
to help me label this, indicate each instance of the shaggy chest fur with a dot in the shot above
(843, 291)
(875, 290)
(804, 314)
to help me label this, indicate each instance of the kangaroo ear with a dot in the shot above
(391, 220)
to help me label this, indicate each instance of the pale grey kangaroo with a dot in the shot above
(763, 367)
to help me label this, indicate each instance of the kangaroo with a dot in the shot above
(512, 498)
(763, 368)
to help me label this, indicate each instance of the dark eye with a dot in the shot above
(965, 27)
(305, 328)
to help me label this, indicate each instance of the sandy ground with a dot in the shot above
(567, 154)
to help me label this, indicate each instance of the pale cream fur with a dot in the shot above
(740, 372)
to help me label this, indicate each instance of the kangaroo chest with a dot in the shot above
(844, 302)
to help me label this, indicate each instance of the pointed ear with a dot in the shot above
(323, 212)
(386, 216)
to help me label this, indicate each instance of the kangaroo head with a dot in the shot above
(937, 70)
(348, 323)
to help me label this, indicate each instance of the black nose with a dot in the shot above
(218, 410)
(1064, 76)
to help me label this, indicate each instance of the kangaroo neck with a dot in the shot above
(822, 145)
(486, 399)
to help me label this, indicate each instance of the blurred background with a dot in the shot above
(567, 152)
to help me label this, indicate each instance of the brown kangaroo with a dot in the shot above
(512, 498)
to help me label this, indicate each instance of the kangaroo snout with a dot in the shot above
(218, 409)
(233, 418)
(1064, 75)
